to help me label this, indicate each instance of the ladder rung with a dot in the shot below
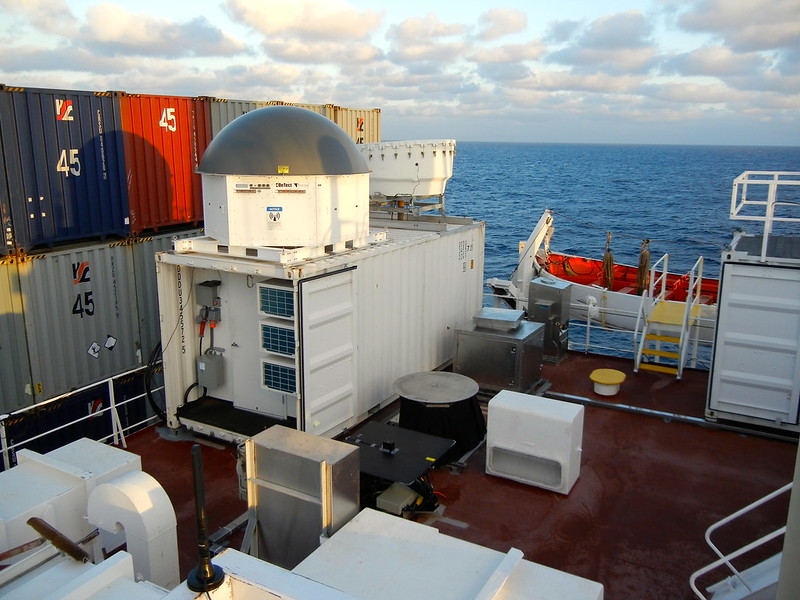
(664, 353)
(659, 368)
(663, 338)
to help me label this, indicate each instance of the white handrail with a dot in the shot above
(117, 431)
(755, 180)
(726, 559)
(692, 300)
(651, 295)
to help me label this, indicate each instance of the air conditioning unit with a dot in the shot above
(534, 440)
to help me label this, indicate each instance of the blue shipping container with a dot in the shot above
(62, 169)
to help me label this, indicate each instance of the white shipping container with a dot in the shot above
(755, 376)
(144, 269)
(321, 340)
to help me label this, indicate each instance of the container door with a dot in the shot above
(328, 361)
(756, 369)
(16, 390)
(81, 317)
(63, 167)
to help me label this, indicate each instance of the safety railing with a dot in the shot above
(736, 578)
(768, 197)
(118, 431)
(690, 313)
(655, 292)
(596, 336)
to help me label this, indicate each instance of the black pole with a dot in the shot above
(206, 576)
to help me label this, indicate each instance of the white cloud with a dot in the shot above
(568, 80)
(415, 28)
(508, 53)
(718, 61)
(328, 20)
(110, 29)
(747, 24)
(690, 93)
(619, 42)
(500, 22)
(49, 16)
(321, 52)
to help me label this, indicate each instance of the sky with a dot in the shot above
(573, 71)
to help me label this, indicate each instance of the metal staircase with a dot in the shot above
(663, 322)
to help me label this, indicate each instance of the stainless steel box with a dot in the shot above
(548, 303)
(302, 487)
(498, 360)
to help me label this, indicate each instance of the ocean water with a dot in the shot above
(676, 196)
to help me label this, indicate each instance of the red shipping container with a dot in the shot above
(162, 150)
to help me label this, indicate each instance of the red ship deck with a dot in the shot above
(649, 486)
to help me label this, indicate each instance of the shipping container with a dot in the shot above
(202, 137)
(222, 111)
(16, 390)
(63, 168)
(326, 110)
(323, 340)
(144, 250)
(162, 151)
(363, 125)
(81, 318)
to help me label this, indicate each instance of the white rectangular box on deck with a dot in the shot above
(321, 340)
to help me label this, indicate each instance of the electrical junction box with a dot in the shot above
(210, 373)
(396, 498)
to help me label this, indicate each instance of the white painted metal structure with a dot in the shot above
(755, 375)
(377, 555)
(75, 489)
(534, 440)
(418, 168)
(756, 370)
(350, 323)
(286, 210)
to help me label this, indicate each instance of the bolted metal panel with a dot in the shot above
(144, 269)
(63, 167)
(363, 125)
(161, 155)
(80, 316)
(15, 371)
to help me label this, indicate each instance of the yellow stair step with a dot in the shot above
(668, 313)
(671, 313)
(664, 353)
(663, 338)
(659, 368)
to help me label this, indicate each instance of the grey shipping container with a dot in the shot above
(224, 111)
(81, 318)
(63, 167)
(15, 371)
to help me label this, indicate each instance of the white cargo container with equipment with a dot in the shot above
(289, 319)
(755, 374)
